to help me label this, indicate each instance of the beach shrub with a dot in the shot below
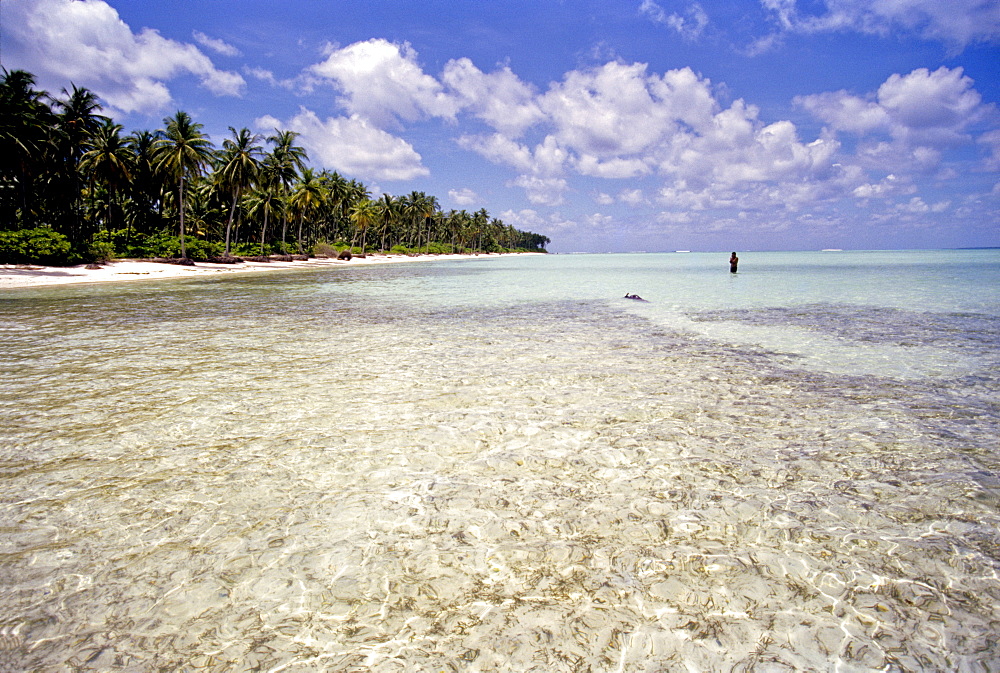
(35, 246)
(324, 249)
(100, 251)
(166, 245)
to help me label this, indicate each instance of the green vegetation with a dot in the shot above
(74, 188)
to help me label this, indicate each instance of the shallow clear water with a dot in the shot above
(500, 464)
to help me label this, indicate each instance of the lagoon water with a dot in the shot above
(501, 464)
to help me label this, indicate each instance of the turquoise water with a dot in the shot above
(501, 464)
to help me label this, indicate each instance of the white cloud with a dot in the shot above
(690, 25)
(845, 112)
(383, 83)
(633, 197)
(216, 45)
(607, 112)
(991, 141)
(352, 145)
(888, 186)
(542, 191)
(917, 115)
(500, 99)
(463, 197)
(532, 220)
(603, 199)
(499, 149)
(87, 43)
(932, 108)
(668, 217)
(612, 168)
(599, 222)
(956, 22)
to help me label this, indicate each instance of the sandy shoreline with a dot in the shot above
(22, 275)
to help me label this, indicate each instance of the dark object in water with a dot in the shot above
(634, 296)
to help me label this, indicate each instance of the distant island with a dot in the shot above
(74, 188)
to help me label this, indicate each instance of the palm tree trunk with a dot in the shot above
(301, 217)
(263, 233)
(180, 207)
(229, 225)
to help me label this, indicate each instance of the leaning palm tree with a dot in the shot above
(238, 170)
(183, 151)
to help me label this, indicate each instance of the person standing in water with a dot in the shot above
(733, 263)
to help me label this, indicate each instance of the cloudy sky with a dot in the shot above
(606, 125)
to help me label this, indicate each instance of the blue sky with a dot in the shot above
(607, 126)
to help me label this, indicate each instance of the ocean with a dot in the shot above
(501, 463)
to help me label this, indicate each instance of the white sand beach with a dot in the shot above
(24, 275)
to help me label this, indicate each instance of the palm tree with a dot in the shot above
(110, 161)
(239, 168)
(146, 185)
(337, 190)
(266, 202)
(431, 207)
(77, 122)
(26, 122)
(356, 193)
(363, 214)
(387, 210)
(183, 151)
(306, 198)
(283, 165)
(413, 210)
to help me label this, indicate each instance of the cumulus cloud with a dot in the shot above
(532, 220)
(499, 98)
(633, 197)
(87, 43)
(916, 206)
(619, 121)
(956, 22)
(909, 121)
(463, 197)
(930, 108)
(606, 112)
(352, 145)
(382, 82)
(542, 191)
(499, 149)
